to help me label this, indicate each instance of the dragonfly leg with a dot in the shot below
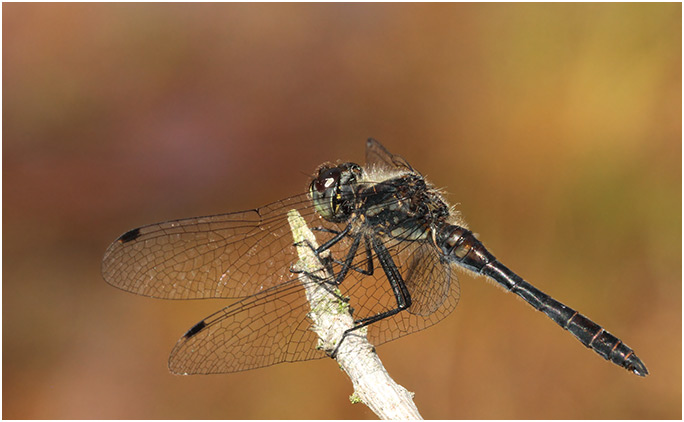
(369, 270)
(399, 289)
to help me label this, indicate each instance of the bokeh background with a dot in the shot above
(554, 128)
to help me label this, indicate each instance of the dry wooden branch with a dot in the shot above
(356, 356)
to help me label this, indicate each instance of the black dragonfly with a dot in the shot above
(384, 214)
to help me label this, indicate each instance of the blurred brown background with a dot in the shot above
(555, 129)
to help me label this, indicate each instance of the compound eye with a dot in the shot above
(327, 179)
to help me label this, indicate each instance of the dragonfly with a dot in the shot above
(389, 239)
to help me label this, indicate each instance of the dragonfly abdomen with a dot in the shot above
(589, 333)
(461, 246)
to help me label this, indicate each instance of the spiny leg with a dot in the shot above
(399, 289)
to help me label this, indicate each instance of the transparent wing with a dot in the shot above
(431, 282)
(249, 254)
(377, 156)
(221, 256)
(261, 330)
(272, 327)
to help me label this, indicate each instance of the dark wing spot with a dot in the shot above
(129, 236)
(196, 329)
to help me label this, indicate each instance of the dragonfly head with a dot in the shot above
(333, 190)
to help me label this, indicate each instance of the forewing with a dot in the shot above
(378, 157)
(222, 256)
(261, 330)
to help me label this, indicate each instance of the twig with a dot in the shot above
(356, 356)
